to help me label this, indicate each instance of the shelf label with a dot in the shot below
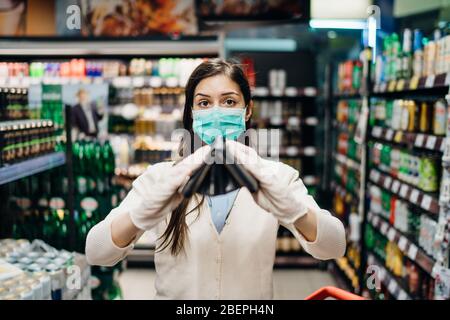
(383, 86)
(389, 134)
(429, 83)
(376, 132)
(414, 83)
(392, 287)
(395, 186)
(412, 251)
(398, 136)
(391, 234)
(404, 190)
(376, 219)
(426, 202)
(383, 228)
(414, 196)
(402, 243)
(376, 176)
(419, 140)
(387, 182)
(431, 142)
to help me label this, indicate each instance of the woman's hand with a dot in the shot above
(275, 194)
(160, 192)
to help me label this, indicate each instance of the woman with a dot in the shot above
(222, 248)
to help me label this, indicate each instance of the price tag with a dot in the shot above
(419, 140)
(391, 234)
(400, 85)
(431, 142)
(387, 182)
(403, 190)
(395, 186)
(383, 87)
(414, 196)
(402, 295)
(389, 134)
(412, 251)
(392, 287)
(429, 83)
(391, 87)
(376, 132)
(383, 228)
(398, 136)
(426, 202)
(375, 221)
(402, 243)
(414, 83)
(376, 176)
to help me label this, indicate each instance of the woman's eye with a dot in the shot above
(203, 104)
(230, 102)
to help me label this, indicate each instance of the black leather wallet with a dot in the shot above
(218, 176)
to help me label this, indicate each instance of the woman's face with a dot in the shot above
(220, 91)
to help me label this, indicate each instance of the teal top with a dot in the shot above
(220, 207)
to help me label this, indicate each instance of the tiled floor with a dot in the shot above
(138, 284)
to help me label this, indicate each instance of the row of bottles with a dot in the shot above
(413, 55)
(177, 69)
(410, 115)
(419, 169)
(418, 283)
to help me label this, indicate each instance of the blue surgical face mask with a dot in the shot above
(226, 122)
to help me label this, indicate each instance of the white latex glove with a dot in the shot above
(160, 190)
(281, 194)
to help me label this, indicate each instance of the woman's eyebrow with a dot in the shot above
(230, 92)
(202, 94)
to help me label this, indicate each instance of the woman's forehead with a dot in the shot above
(217, 85)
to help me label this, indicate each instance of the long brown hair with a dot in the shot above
(177, 229)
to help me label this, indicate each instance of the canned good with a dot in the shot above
(25, 261)
(57, 281)
(42, 261)
(33, 255)
(36, 286)
(45, 280)
(34, 267)
(49, 255)
(10, 283)
(24, 292)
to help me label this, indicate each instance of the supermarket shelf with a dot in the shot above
(409, 193)
(293, 121)
(294, 151)
(346, 161)
(430, 85)
(348, 95)
(264, 93)
(344, 127)
(417, 140)
(344, 192)
(408, 247)
(388, 279)
(343, 274)
(30, 167)
(185, 46)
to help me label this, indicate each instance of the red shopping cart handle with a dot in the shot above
(333, 292)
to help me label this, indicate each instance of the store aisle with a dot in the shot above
(138, 284)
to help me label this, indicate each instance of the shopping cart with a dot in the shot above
(333, 292)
